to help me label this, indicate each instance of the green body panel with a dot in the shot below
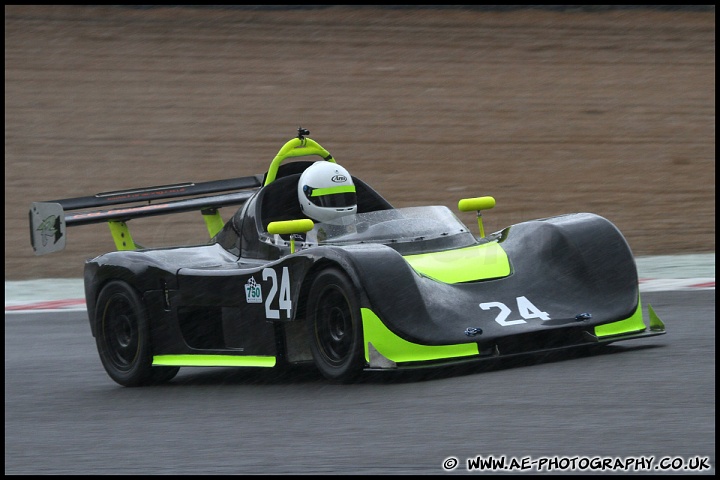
(213, 361)
(398, 350)
(478, 262)
(634, 323)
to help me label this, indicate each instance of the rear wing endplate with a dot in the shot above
(49, 220)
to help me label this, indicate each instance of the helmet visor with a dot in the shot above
(332, 197)
(335, 200)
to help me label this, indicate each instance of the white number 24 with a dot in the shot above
(525, 307)
(285, 300)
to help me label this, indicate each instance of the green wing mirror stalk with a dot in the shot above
(290, 227)
(478, 204)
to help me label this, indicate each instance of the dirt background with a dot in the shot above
(611, 112)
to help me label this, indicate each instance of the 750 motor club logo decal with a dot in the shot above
(253, 291)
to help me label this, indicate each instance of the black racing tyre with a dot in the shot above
(123, 338)
(335, 326)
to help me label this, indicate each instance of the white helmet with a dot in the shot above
(326, 192)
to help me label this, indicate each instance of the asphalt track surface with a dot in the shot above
(643, 398)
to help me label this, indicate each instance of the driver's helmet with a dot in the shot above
(326, 192)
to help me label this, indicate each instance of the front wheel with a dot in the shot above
(335, 327)
(123, 338)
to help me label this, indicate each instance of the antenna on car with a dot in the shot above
(302, 132)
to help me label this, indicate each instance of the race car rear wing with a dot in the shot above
(49, 220)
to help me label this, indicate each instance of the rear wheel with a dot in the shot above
(335, 326)
(123, 338)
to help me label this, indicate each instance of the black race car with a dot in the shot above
(381, 288)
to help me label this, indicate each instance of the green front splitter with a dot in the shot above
(397, 350)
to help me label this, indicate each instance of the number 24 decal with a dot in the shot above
(285, 300)
(525, 307)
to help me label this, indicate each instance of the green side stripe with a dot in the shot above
(317, 192)
(213, 361)
(396, 349)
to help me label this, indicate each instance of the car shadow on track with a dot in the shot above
(308, 374)
(479, 367)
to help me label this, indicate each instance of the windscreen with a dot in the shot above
(399, 225)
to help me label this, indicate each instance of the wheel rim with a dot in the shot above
(120, 333)
(333, 326)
